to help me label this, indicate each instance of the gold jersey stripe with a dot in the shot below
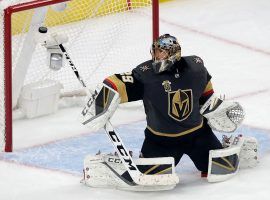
(176, 134)
(208, 87)
(121, 88)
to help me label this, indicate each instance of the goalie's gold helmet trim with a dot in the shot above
(168, 44)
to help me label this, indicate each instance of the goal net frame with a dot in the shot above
(6, 124)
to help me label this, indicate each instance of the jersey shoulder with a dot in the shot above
(194, 60)
(144, 67)
(143, 70)
(195, 65)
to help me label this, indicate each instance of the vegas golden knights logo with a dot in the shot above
(180, 104)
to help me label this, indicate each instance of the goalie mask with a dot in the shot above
(165, 51)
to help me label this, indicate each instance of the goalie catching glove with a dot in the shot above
(223, 116)
(100, 107)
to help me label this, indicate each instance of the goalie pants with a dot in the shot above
(196, 145)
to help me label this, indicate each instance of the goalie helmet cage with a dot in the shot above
(19, 20)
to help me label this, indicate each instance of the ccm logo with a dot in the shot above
(89, 103)
(122, 150)
(114, 160)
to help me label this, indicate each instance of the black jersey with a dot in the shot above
(171, 99)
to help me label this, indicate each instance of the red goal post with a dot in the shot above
(9, 8)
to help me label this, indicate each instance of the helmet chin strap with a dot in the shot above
(166, 65)
(161, 66)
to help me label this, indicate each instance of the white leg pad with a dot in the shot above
(223, 163)
(105, 171)
(249, 153)
(240, 152)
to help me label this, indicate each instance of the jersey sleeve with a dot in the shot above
(127, 85)
(208, 91)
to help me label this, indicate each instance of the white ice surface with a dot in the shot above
(232, 37)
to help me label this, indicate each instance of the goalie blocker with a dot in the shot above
(100, 107)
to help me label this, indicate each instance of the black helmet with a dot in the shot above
(170, 47)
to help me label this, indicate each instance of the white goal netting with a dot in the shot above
(104, 37)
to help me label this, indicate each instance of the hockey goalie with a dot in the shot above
(181, 110)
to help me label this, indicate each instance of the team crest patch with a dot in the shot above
(180, 104)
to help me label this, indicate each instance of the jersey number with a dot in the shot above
(127, 77)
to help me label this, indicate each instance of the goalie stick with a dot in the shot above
(136, 175)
